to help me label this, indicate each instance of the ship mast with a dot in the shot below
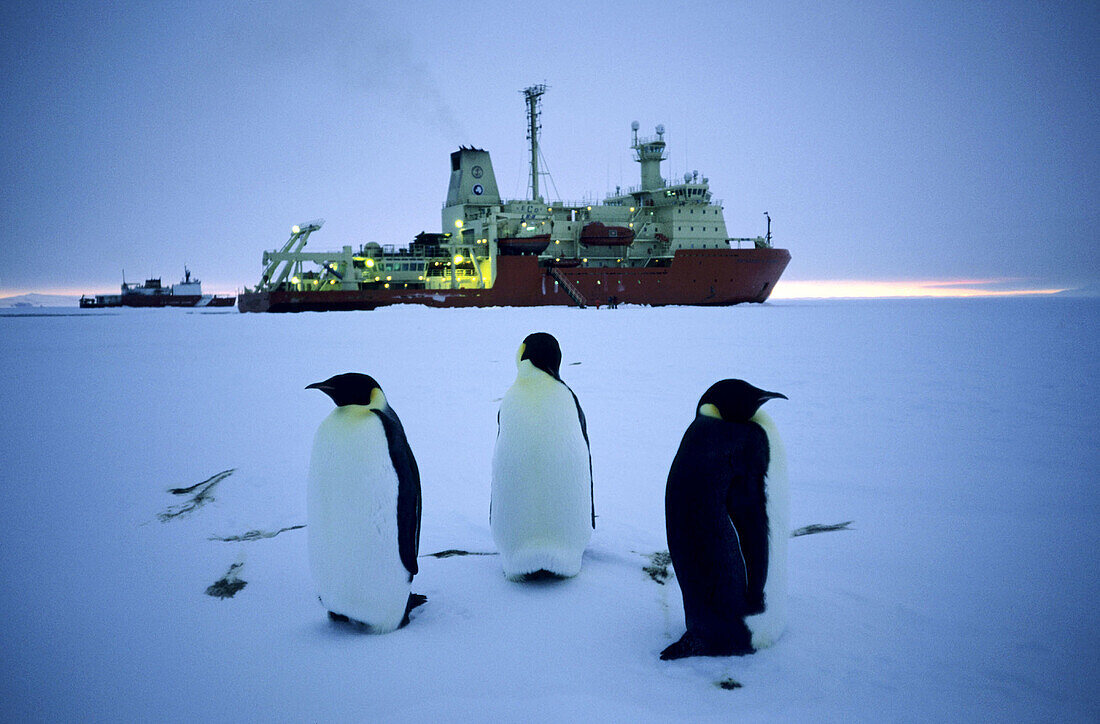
(532, 95)
(650, 152)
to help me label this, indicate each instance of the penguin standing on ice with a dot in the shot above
(363, 505)
(726, 517)
(541, 511)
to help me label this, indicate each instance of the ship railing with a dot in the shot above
(556, 205)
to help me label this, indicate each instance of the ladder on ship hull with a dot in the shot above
(569, 287)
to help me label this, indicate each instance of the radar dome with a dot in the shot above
(634, 126)
(687, 177)
(660, 129)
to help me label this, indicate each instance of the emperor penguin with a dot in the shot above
(727, 520)
(541, 510)
(363, 507)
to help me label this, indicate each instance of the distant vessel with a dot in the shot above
(188, 293)
(661, 242)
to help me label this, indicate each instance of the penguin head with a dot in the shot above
(734, 400)
(543, 351)
(352, 388)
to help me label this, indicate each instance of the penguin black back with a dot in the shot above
(716, 520)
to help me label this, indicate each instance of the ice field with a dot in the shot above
(959, 436)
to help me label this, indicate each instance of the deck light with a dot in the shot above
(295, 229)
(370, 263)
(458, 223)
(458, 258)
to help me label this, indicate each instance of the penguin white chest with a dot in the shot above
(541, 514)
(353, 533)
(768, 626)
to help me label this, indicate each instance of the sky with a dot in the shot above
(911, 143)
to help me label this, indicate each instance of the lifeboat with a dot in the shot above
(516, 245)
(598, 234)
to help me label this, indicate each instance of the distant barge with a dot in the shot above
(662, 242)
(188, 293)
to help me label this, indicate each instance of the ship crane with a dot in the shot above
(299, 234)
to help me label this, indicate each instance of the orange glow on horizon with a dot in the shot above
(854, 289)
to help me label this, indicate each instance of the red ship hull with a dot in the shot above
(695, 277)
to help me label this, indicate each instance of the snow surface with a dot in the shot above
(960, 436)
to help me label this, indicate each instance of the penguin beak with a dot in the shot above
(319, 386)
(773, 396)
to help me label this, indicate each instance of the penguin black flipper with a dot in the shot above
(584, 432)
(408, 490)
(415, 599)
(746, 504)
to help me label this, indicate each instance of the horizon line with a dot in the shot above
(784, 289)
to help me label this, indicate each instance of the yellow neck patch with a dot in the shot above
(519, 352)
(710, 410)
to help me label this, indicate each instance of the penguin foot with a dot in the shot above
(350, 622)
(540, 575)
(691, 645)
(415, 600)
